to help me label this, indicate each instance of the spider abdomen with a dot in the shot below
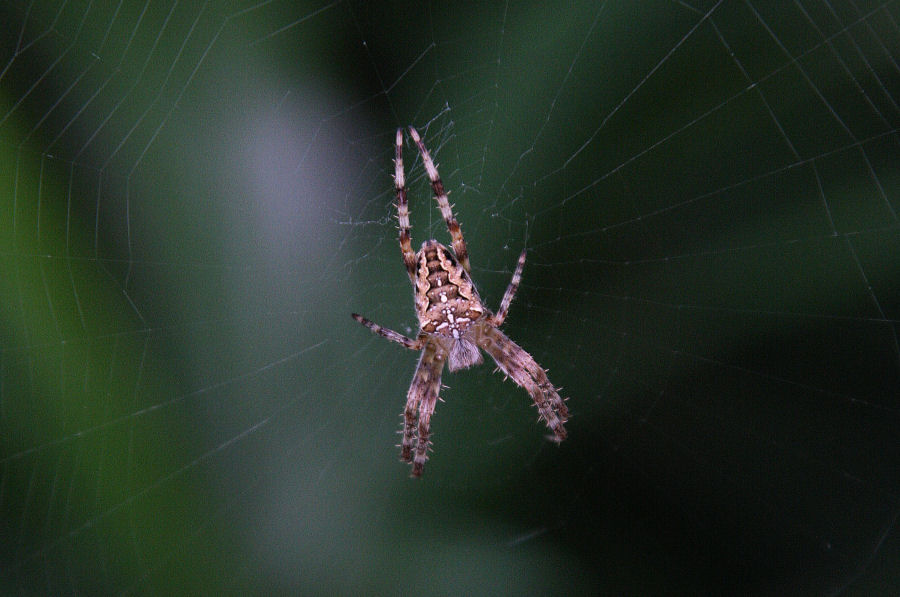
(446, 300)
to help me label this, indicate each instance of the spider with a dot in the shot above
(454, 323)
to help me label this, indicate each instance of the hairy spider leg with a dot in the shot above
(499, 318)
(459, 243)
(525, 371)
(420, 403)
(409, 256)
(390, 334)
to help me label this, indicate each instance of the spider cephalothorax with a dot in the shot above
(453, 323)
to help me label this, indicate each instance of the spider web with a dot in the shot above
(195, 197)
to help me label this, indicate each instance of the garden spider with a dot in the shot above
(453, 323)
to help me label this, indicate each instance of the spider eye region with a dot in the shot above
(446, 300)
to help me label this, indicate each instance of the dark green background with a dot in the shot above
(193, 198)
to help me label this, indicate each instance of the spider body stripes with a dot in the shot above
(453, 322)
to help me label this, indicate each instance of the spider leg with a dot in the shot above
(497, 320)
(409, 256)
(390, 334)
(420, 403)
(417, 387)
(521, 367)
(459, 243)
